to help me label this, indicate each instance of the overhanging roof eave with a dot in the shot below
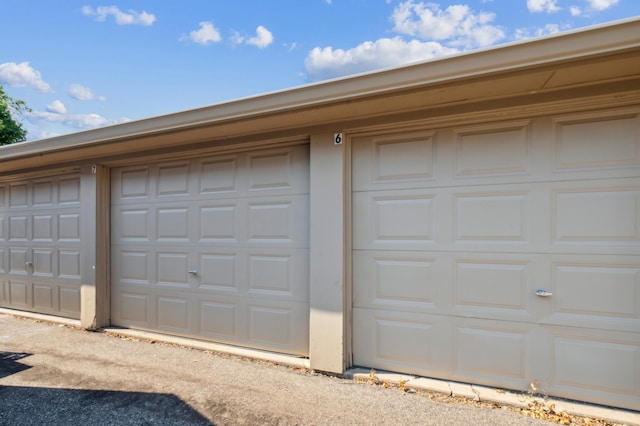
(591, 42)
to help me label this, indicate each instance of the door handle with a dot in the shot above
(543, 293)
(193, 272)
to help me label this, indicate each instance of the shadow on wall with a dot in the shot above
(32, 405)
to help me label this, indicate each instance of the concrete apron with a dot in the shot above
(416, 383)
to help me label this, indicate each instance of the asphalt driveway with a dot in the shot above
(58, 375)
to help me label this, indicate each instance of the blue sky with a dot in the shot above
(81, 64)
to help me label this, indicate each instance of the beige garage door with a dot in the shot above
(215, 248)
(40, 245)
(504, 254)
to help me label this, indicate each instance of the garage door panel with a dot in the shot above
(171, 268)
(69, 264)
(487, 220)
(18, 261)
(603, 203)
(278, 273)
(492, 217)
(493, 352)
(596, 141)
(491, 150)
(173, 313)
(133, 308)
(43, 297)
(220, 223)
(18, 195)
(603, 293)
(277, 325)
(131, 183)
(69, 227)
(68, 188)
(220, 272)
(392, 160)
(44, 226)
(278, 171)
(276, 221)
(218, 175)
(69, 300)
(43, 192)
(131, 224)
(497, 286)
(394, 220)
(172, 224)
(132, 266)
(219, 318)
(601, 365)
(18, 228)
(396, 341)
(173, 179)
(19, 293)
(397, 281)
(43, 262)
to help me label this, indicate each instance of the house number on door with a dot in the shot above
(337, 139)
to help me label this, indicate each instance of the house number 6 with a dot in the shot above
(337, 139)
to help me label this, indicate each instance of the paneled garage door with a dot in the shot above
(40, 245)
(504, 254)
(215, 248)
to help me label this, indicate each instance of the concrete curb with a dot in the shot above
(42, 317)
(493, 395)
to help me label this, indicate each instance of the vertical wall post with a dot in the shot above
(327, 344)
(94, 292)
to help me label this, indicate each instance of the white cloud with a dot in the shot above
(82, 93)
(601, 4)
(131, 17)
(548, 6)
(262, 39)
(456, 25)
(575, 11)
(436, 32)
(57, 107)
(207, 33)
(324, 63)
(22, 75)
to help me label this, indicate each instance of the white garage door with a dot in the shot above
(40, 245)
(215, 248)
(456, 230)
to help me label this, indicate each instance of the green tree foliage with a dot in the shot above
(11, 131)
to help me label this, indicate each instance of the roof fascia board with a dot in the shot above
(579, 44)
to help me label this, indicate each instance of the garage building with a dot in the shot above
(474, 218)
